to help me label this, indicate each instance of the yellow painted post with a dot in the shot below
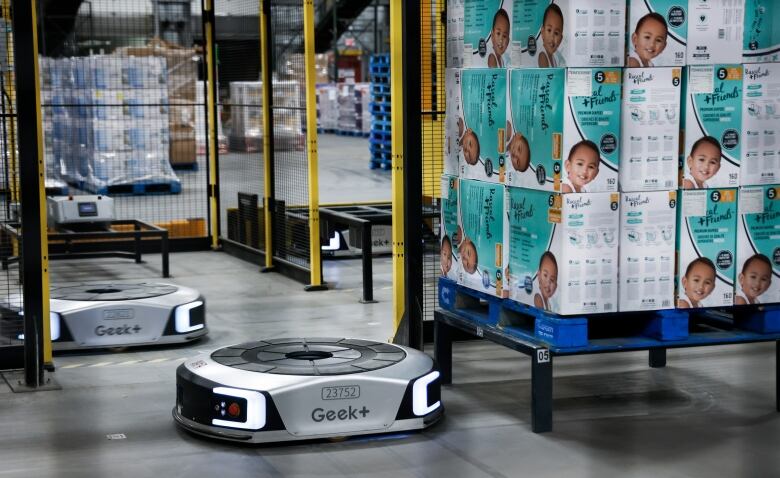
(208, 19)
(311, 145)
(44, 251)
(397, 185)
(267, 134)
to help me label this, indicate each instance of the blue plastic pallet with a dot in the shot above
(598, 331)
(381, 136)
(379, 59)
(380, 88)
(163, 187)
(386, 165)
(379, 108)
(382, 156)
(346, 132)
(381, 125)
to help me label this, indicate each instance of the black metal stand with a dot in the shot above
(447, 323)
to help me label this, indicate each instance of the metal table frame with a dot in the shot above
(445, 323)
(140, 230)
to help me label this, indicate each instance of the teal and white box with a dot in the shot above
(449, 262)
(591, 130)
(561, 250)
(758, 246)
(482, 124)
(713, 127)
(534, 134)
(761, 37)
(480, 246)
(707, 240)
(648, 224)
(455, 25)
(715, 31)
(487, 31)
(650, 132)
(452, 120)
(760, 162)
(569, 33)
(657, 33)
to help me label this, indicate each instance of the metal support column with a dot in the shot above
(266, 46)
(207, 14)
(400, 334)
(35, 261)
(315, 250)
(541, 391)
(657, 358)
(442, 350)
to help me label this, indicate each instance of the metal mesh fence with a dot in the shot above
(123, 113)
(432, 54)
(291, 231)
(240, 140)
(11, 320)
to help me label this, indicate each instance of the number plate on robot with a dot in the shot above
(342, 392)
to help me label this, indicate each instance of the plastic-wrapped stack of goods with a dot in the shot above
(353, 107)
(246, 98)
(635, 176)
(380, 142)
(181, 72)
(200, 122)
(327, 107)
(106, 123)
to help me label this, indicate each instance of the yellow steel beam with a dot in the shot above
(396, 112)
(208, 20)
(267, 135)
(44, 251)
(311, 144)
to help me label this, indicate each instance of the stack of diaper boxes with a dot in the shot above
(106, 120)
(620, 186)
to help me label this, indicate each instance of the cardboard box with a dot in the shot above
(761, 35)
(581, 33)
(713, 124)
(760, 160)
(479, 243)
(561, 250)
(449, 263)
(707, 240)
(452, 150)
(715, 31)
(661, 37)
(648, 223)
(455, 29)
(534, 136)
(487, 30)
(650, 131)
(481, 126)
(592, 125)
(758, 246)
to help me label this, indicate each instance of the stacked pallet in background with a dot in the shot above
(327, 108)
(353, 105)
(106, 123)
(181, 71)
(200, 122)
(380, 135)
(246, 98)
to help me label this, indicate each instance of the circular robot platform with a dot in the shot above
(304, 388)
(123, 315)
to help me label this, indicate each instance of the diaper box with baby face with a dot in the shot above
(479, 244)
(455, 26)
(561, 250)
(591, 130)
(454, 114)
(481, 125)
(761, 36)
(760, 162)
(449, 262)
(568, 33)
(487, 29)
(715, 31)
(648, 222)
(534, 134)
(706, 255)
(713, 126)
(650, 134)
(758, 246)
(657, 33)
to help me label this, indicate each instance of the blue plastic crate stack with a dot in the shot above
(380, 137)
